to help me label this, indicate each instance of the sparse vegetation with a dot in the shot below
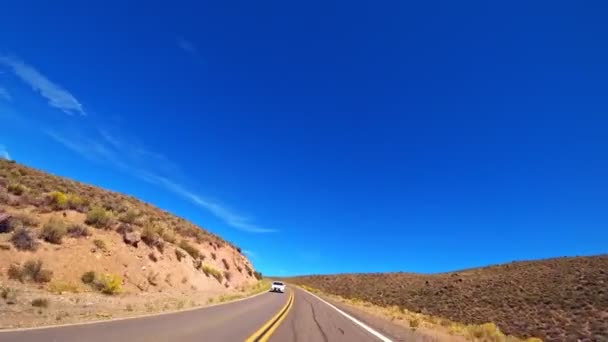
(210, 271)
(213, 256)
(53, 231)
(88, 277)
(110, 284)
(226, 265)
(193, 251)
(24, 240)
(227, 275)
(258, 275)
(100, 244)
(30, 271)
(551, 298)
(152, 257)
(98, 217)
(9, 295)
(151, 236)
(179, 254)
(59, 287)
(16, 189)
(78, 231)
(129, 216)
(40, 303)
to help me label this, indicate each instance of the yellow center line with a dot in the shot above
(264, 333)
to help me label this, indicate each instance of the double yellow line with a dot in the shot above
(264, 333)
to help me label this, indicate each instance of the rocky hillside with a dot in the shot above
(62, 236)
(562, 299)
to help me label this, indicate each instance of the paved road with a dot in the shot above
(306, 319)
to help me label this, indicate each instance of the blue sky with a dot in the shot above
(327, 136)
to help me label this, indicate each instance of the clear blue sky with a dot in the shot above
(326, 136)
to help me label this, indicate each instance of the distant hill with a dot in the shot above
(561, 299)
(61, 236)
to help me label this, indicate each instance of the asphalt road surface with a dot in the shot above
(268, 317)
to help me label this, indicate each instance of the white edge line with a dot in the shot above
(126, 318)
(356, 321)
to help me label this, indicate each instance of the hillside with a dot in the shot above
(64, 243)
(562, 299)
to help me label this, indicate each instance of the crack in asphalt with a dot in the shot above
(314, 317)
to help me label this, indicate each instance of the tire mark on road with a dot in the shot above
(314, 317)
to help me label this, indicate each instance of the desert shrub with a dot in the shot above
(152, 257)
(88, 277)
(151, 237)
(169, 236)
(487, 331)
(213, 256)
(40, 303)
(197, 263)
(59, 287)
(129, 216)
(414, 323)
(238, 249)
(193, 251)
(24, 240)
(16, 189)
(179, 254)
(59, 200)
(9, 295)
(258, 275)
(227, 275)
(25, 219)
(100, 244)
(30, 271)
(226, 265)
(5, 247)
(98, 218)
(78, 231)
(208, 270)
(239, 268)
(153, 278)
(109, 284)
(249, 270)
(53, 231)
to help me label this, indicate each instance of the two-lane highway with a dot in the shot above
(292, 316)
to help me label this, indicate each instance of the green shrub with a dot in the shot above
(53, 231)
(100, 244)
(40, 303)
(193, 251)
(88, 277)
(16, 189)
(98, 218)
(109, 284)
(24, 240)
(78, 231)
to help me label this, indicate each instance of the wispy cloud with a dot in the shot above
(4, 94)
(57, 96)
(130, 158)
(4, 153)
(231, 218)
(187, 46)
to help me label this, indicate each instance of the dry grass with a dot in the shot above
(555, 299)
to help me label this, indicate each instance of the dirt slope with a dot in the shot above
(127, 247)
(562, 299)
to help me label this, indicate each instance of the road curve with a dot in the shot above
(229, 322)
(267, 317)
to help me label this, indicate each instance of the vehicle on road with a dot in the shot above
(277, 286)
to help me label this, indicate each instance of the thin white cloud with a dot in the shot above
(57, 96)
(187, 46)
(5, 95)
(133, 159)
(231, 218)
(4, 153)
